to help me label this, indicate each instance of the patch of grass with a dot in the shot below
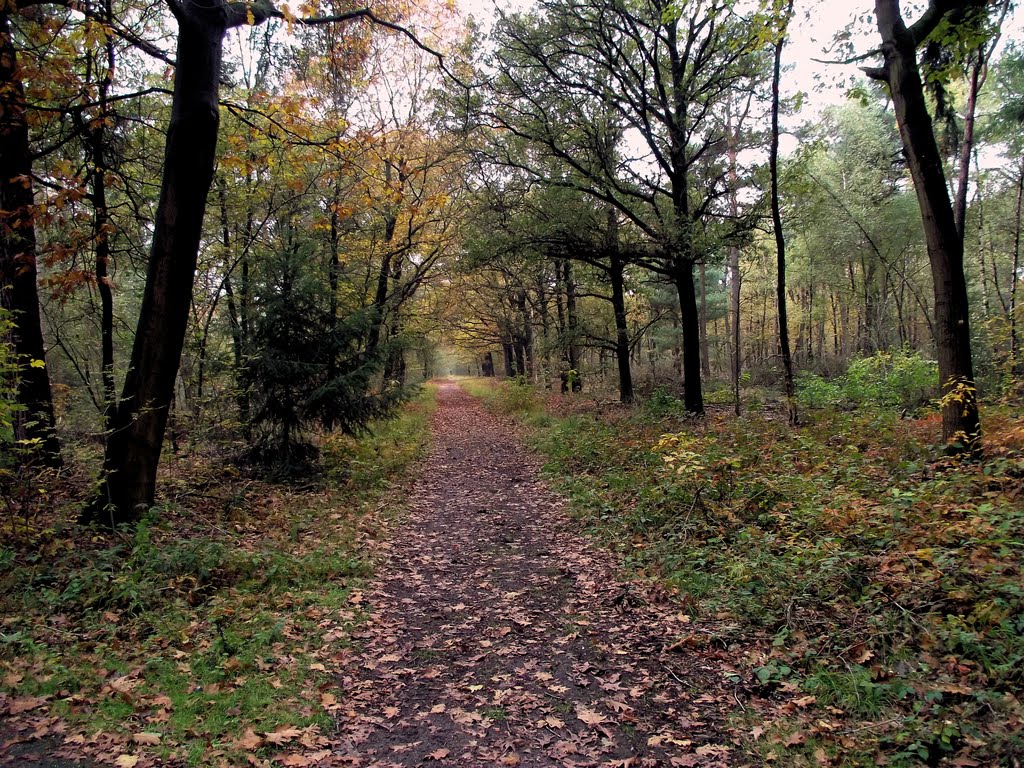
(497, 714)
(222, 611)
(848, 562)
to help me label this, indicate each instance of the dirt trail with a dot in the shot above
(500, 636)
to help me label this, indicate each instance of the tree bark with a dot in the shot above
(134, 445)
(616, 276)
(961, 424)
(18, 290)
(572, 322)
(705, 356)
(1015, 363)
(689, 315)
(780, 238)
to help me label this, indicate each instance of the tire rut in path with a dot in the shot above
(500, 636)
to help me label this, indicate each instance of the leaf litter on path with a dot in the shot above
(497, 636)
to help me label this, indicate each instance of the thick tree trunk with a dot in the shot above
(961, 423)
(133, 447)
(510, 360)
(18, 291)
(689, 314)
(616, 276)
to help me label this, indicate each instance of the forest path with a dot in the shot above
(500, 636)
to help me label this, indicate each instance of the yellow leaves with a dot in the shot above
(289, 17)
(127, 761)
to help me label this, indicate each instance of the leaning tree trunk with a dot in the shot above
(18, 291)
(961, 423)
(134, 445)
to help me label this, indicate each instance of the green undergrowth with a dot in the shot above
(225, 610)
(869, 590)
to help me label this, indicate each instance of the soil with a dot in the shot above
(499, 635)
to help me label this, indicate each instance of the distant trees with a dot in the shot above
(628, 104)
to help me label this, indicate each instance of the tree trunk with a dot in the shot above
(333, 274)
(689, 314)
(18, 291)
(1015, 363)
(780, 239)
(616, 275)
(95, 137)
(961, 423)
(510, 364)
(133, 447)
(575, 377)
(705, 357)
(545, 326)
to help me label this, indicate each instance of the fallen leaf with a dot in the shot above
(282, 735)
(713, 749)
(438, 754)
(26, 703)
(127, 761)
(793, 739)
(250, 740)
(590, 717)
(147, 739)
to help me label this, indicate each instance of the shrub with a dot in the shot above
(900, 379)
(889, 379)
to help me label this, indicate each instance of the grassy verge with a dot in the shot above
(870, 593)
(212, 631)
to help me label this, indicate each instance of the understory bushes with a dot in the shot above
(900, 379)
(847, 565)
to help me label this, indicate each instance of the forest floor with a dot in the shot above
(706, 592)
(491, 633)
